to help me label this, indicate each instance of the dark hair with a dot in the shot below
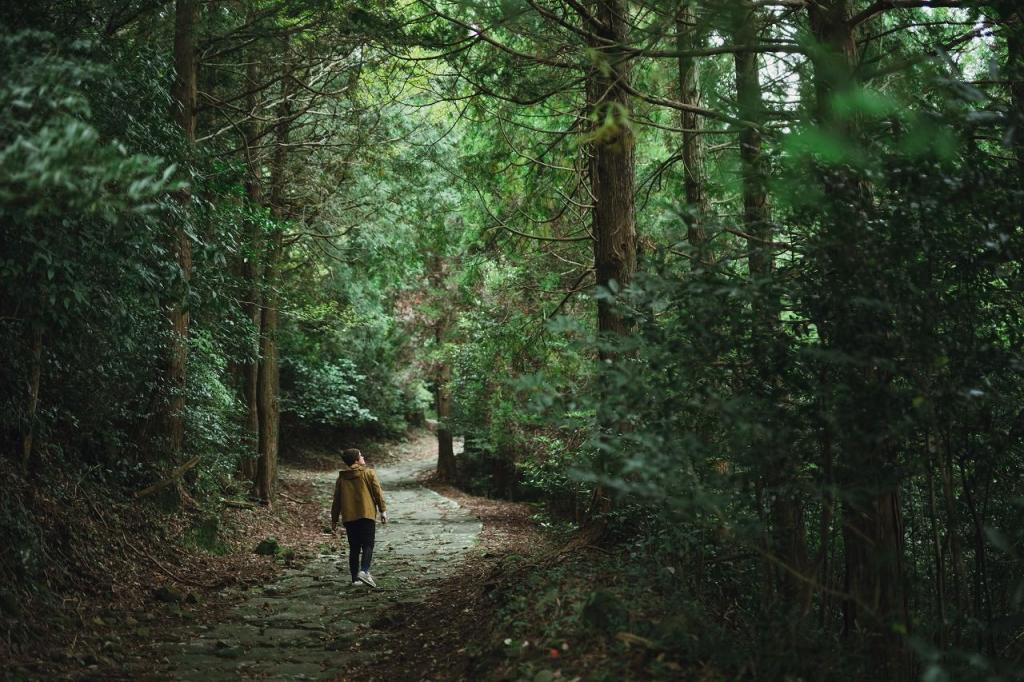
(350, 456)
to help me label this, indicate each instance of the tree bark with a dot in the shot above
(251, 276)
(32, 408)
(690, 37)
(938, 555)
(788, 536)
(872, 513)
(612, 178)
(267, 380)
(184, 94)
(269, 371)
(446, 467)
(1011, 18)
(612, 164)
(185, 67)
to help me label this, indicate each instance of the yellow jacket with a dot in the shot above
(357, 495)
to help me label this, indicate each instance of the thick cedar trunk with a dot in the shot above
(788, 539)
(611, 184)
(32, 408)
(267, 380)
(612, 165)
(873, 535)
(250, 369)
(690, 37)
(446, 470)
(185, 113)
(872, 514)
(251, 275)
(446, 465)
(268, 399)
(185, 67)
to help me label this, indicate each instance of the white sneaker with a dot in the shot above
(357, 583)
(365, 577)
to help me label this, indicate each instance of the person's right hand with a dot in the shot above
(384, 518)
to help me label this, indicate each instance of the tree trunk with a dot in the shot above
(267, 380)
(872, 514)
(185, 67)
(184, 93)
(446, 467)
(32, 408)
(612, 165)
(953, 535)
(788, 537)
(269, 372)
(828, 508)
(611, 184)
(938, 555)
(690, 37)
(251, 276)
(982, 598)
(1011, 19)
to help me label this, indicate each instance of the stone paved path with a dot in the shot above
(303, 625)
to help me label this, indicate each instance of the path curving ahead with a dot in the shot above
(303, 626)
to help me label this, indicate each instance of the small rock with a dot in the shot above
(268, 547)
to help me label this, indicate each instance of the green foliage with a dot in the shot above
(326, 394)
(213, 416)
(53, 160)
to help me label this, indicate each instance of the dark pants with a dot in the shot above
(360, 541)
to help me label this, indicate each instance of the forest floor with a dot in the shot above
(142, 607)
(311, 622)
(469, 589)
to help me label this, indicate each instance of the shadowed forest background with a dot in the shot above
(730, 291)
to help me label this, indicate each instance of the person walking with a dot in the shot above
(357, 497)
